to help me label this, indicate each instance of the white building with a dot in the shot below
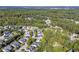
(77, 22)
(48, 22)
(73, 37)
(29, 18)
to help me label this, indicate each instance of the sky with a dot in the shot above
(39, 3)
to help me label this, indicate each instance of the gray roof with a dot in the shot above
(7, 48)
(22, 40)
(15, 44)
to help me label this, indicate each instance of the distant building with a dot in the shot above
(73, 37)
(29, 18)
(48, 22)
(77, 22)
(58, 28)
(24, 27)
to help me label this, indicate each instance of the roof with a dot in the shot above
(26, 38)
(40, 34)
(1, 37)
(27, 33)
(31, 48)
(72, 50)
(36, 43)
(33, 45)
(38, 40)
(7, 33)
(7, 48)
(15, 44)
(22, 40)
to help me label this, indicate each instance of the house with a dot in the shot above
(33, 28)
(35, 44)
(7, 48)
(13, 27)
(40, 35)
(29, 18)
(24, 27)
(28, 27)
(31, 48)
(8, 39)
(38, 40)
(33, 34)
(58, 28)
(2, 38)
(1, 27)
(7, 34)
(1, 42)
(72, 50)
(26, 38)
(77, 22)
(27, 34)
(15, 44)
(5, 27)
(27, 50)
(22, 40)
(48, 22)
(73, 36)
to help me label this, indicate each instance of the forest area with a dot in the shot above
(54, 39)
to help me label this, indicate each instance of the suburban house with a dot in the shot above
(73, 37)
(7, 34)
(15, 44)
(7, 48)
(22, 40)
